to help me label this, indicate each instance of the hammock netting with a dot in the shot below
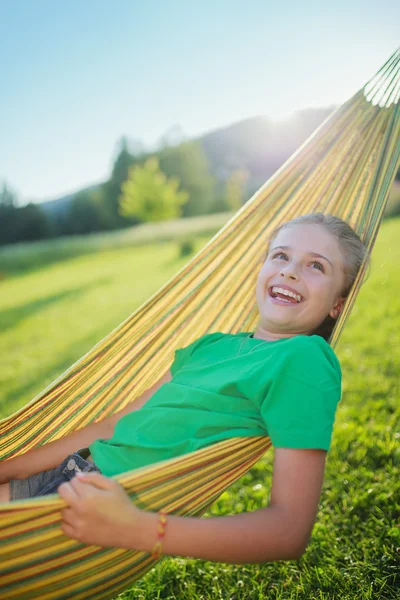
(345, 168)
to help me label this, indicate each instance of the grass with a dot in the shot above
(393, 205)
(23, 257)
(52, 316)
(49, 317)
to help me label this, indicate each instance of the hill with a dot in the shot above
(258, 145)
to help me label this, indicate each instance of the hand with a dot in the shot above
(99, 512)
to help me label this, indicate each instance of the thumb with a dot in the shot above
(96, 479)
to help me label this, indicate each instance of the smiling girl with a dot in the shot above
(283, 380)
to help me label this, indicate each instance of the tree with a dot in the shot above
(189, 164)
(21, 224)
(122, 163)
(33, 224)
(86, 213)
(8, 216)
(7, 197)
(234, 189)
(149, 196)
(111, 189)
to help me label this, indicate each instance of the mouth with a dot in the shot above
(283, 295)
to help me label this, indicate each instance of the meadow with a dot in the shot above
(56, 304)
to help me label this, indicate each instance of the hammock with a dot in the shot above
(345, 168)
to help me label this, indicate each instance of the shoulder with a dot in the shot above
(202, 342)
(209, 338)
(184, 353)
(311, 353)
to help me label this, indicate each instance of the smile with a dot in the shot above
(284, 295)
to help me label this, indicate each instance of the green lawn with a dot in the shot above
(52, 316)
(49, 317)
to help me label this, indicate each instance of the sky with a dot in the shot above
(76, 76)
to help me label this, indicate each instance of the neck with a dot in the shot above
(269, 336)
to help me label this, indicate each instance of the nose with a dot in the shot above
(289, 272)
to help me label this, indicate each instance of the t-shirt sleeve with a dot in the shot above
(300, 404)
(182, 355)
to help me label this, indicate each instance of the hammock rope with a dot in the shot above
(345, 168)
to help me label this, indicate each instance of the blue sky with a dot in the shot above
(78, 75)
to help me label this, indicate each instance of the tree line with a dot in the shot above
(176, 181)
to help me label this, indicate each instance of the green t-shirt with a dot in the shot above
(227, 385)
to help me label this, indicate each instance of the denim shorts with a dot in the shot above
(47, 482)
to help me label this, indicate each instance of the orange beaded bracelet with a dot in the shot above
(162, 523)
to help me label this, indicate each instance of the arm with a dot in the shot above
(279, 532)
(52, 454)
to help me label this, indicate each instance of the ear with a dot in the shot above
(338, 307)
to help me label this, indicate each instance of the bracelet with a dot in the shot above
(162, 523)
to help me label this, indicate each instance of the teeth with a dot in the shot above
(278, 290)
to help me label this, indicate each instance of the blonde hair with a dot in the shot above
(353, 251)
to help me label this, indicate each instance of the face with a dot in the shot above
(304, 261)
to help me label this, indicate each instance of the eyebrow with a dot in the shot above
(309, 252)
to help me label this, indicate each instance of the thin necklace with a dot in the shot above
(247, 337)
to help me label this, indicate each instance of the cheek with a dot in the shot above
(261, 283)
(320, 291)
(264, 273)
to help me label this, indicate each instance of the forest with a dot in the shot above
(215, 173)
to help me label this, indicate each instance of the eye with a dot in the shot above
(319, 265)
(279, 254)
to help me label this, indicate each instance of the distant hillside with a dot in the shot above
(258, 145)
(60, 206)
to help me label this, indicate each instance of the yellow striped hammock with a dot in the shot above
(345, 168)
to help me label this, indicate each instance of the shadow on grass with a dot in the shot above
(23, 394)
(14, 266)
(18, 259)
(12, 316)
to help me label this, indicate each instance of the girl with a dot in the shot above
(283, 380)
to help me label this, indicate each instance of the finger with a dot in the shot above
(77, 486)
(68, 493)
(69, 530)
(96, 479)
(68, 516)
